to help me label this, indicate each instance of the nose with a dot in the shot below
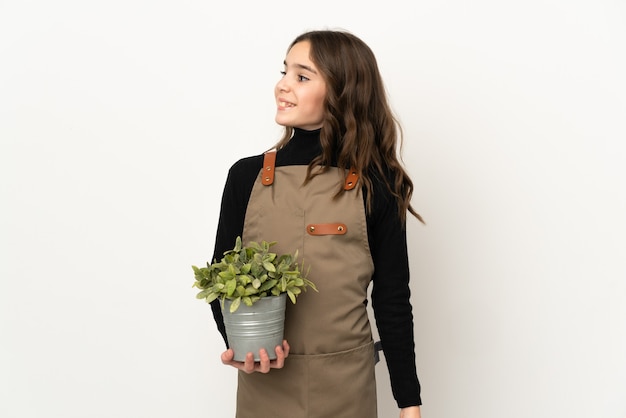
(282, 85)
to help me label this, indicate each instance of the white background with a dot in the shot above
(119, 120)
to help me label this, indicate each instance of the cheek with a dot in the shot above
(319, 104)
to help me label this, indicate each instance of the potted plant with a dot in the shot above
(252, 284)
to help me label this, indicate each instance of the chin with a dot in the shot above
(282, 121)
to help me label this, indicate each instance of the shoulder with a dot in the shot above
(384, 204)
(246, 164)
(245, 168)
(381, 187)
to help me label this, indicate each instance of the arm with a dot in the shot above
(391, 298)
(235, 196)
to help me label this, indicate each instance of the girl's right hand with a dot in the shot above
(262, 366)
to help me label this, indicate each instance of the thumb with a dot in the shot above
(227, 356)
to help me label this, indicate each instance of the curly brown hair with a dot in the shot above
(358, 122)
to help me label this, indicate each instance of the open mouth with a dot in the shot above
(284, 105)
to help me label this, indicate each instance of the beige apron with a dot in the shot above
(330, 369)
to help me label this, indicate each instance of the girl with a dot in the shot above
(337, 193)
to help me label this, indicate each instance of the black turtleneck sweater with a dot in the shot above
(387, 240)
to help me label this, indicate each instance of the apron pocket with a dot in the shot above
(337, 385)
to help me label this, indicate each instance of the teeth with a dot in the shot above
(285, 104)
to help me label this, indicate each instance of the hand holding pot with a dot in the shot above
(262, 366)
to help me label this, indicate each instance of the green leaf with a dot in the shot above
(310, 284)
(244, 279)
(296, 290)
(269, 266)
(291, 296)
(256, 283)
(238, 244)
(231, 285)
(240, 290)
(235, 304)
(226, 274)
(268, 285)
(212, 296)
(250, 290)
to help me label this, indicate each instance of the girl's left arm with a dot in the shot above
(391, 297)
(410, 412)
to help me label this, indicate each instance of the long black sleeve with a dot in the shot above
(235, 196)
(390, 296)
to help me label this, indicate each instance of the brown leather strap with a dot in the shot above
(351, 180)
(327, 229)
(269, 162)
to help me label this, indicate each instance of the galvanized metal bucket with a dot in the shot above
(251, 328)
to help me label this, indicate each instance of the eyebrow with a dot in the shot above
(302, 66)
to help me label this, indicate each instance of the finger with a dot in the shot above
(264, 364)
(228, 359)
(249, 364)
(280, 358)
(286, 348)
(227, 356)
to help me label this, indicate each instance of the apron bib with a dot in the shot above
(330, 369)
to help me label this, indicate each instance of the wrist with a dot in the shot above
(410, 412)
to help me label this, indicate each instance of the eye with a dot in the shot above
(299, 77)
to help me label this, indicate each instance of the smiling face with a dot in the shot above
(301, 91)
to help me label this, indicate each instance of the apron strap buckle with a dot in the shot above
(269, 163)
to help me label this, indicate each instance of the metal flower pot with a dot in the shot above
(251, 328)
